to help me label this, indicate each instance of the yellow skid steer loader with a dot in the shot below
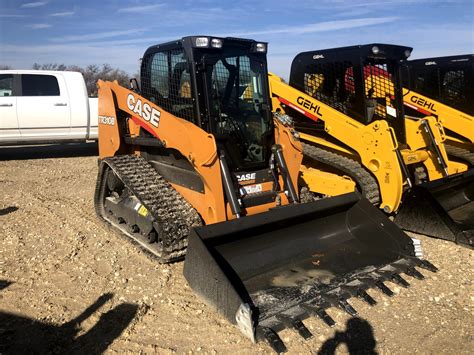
(347, 105)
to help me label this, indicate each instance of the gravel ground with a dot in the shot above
(69, 282)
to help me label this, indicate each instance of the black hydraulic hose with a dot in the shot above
(404, 168)
(435, 146)
(278, 152)
(228, 187)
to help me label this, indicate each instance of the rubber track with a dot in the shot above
(367, 183)
(460, 153)
(173, 214)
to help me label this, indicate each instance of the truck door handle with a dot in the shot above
(60, 104)
(6, 105)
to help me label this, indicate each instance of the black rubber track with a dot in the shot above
(172, 213)
(364, 180)
(460, 153)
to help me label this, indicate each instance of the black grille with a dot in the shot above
(166, 81)
(453, 85)
(365, 94)
(445, 86)
(325, 82)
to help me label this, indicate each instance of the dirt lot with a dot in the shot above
(89, 290)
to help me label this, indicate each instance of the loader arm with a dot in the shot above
(374, 144)
(454, 120)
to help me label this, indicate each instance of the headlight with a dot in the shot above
(216, 43)
(261, 47)
(375, 50)
(202, 41)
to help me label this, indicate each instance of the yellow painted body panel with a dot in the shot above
(459, 122)
(375, 143)
(326, 183)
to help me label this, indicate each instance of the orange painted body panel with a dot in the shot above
(198, 146)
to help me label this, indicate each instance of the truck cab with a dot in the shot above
(39, 106)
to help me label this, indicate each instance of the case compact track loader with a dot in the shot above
(347, 105)
(195, 163)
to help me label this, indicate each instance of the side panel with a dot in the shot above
(93, 118)
(459, 122)
(173, 132)
(9, 130)
(79, 105)
(45, 116)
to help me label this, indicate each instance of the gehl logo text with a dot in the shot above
(144, 110)
(423, 103)
(309, 105)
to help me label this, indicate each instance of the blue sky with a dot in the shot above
(118, 32)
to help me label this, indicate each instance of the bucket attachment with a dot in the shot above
(272, 270)
(442, 208)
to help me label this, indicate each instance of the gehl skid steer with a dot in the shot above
(443, 87)
(347, 105)
(195, 163)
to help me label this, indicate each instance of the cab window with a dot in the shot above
(6, 84)
(39, 85)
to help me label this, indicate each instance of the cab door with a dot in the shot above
(43, 107)
(9, 129)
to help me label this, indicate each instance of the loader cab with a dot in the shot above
(449, 80)
(363, 82)
(220, 85)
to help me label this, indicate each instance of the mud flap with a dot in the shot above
(442, 209)
(270, 271)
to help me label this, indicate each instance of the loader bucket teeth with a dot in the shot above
(272, 339)
(295, 324)
(400, 280)
(414, 273)
(345, 306)
(320, 313)
(384, 288)
(297, 261)
(366, 297)
(425, 264)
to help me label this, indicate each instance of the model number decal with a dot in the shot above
(108, 120)
(144, 110)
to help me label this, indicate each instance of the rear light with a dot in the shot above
(261, 47)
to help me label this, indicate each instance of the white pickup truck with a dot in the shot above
(39, 106)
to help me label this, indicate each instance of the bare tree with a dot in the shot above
(5, 67)
(91, 73)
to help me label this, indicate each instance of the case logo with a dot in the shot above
(144, 110)
(246, 177)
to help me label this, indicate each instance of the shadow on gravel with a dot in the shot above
(67, 150)
(20, 334)
(8, 210)
(358, 337)
(4, 284)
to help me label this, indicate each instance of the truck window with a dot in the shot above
(39, 85)
(6, 85)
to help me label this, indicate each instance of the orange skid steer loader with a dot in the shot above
(194, 163)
